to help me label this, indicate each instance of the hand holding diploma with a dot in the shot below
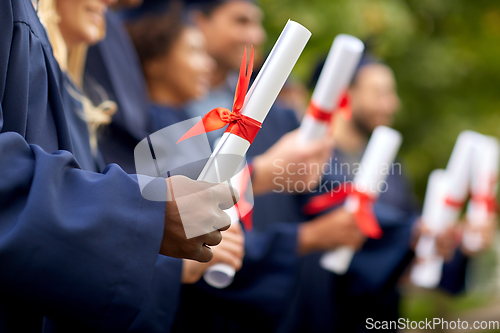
(330, 92)
(210, 201)
(249, 111)
(484, 234)
(361, 194)
(446, 241)
(482, 207)
(221, 274)
(229, 252)
(446, 193)
(329, 231)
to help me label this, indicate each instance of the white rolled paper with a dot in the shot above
(222, 275)
(459, 173)
(219, 275)
(484, 184)
(260, 98)
(374, 168)
(340, 65)
(258, 102)
(426, 272)
(452, 185)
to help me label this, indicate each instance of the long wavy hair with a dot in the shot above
(72, 62)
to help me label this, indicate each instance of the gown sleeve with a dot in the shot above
(454, 274)
(73, 244)
(160, 305)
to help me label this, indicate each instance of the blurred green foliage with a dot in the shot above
(445, 55)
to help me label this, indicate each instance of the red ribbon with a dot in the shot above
(364, 215)
(239, 124)
(453, 203)
(490, 202)
(343, 106)
(317, 113)
(243, 205)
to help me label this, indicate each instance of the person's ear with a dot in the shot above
(154, 68)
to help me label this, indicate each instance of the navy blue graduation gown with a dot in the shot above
(135, 119)
(256, 299)
(77, 248)
(326, 302)
(161, 116)
(276, 207)
(261, 290)
(78, 129)
(160, 305)
(454, 274)
(113, 65)
(262, 287)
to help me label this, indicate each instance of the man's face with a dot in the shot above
(229, 28)
(374, 97)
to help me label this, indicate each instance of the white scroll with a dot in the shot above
(222, 275)
(340, 65)
(379, 155)
(259, 99)
(258, 102)
(426, 272)
(449, 196)
(484, 186)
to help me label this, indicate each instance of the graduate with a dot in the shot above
(148, 18)
(78, 248)
(84, 118)
(271, 256)
(165, 286)
(183, 53)
(101, 68)
(261, 291)
(175, 63)
(326, 302)
(241, 26)
(104, 68)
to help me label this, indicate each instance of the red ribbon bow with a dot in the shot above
(364, 215)
(239, 124)
(343, 107)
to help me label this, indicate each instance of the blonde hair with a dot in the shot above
(72, 62)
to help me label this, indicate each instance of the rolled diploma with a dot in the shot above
(260, 97)
(379, 154)
(455, 183)
(258, 102)
(222, 275)
(484, 183)
(426, 272)
(459, 172)
(340, 65)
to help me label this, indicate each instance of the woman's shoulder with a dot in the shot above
(22, 13)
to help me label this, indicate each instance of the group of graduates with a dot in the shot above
(82, 83)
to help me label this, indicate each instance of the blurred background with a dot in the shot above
(446, 58)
